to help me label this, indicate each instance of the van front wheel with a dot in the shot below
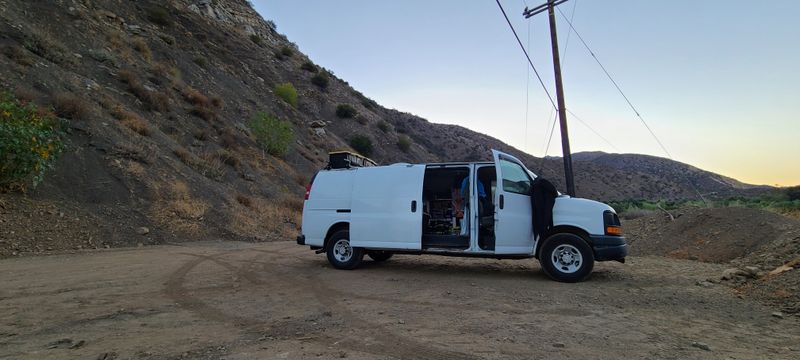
(340, 254)
(566, 257)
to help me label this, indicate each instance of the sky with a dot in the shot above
(716, 80)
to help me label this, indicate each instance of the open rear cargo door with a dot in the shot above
(387, 207)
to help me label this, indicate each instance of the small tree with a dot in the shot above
(287, 92)
(272, 134)
(362, 144)
(346, 111)
(383, 126)
(404, 143)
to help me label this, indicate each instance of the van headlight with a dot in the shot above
(611, 223)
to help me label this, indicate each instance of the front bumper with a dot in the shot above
(608, 248)
(301, 240)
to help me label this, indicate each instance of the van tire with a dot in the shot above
(566, 257)
(340, 254)
(379, 256)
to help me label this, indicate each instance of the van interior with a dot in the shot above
(445, 210)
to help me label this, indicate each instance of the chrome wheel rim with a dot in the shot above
(567, 258)
(342, 250)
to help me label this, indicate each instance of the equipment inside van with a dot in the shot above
(479, 209)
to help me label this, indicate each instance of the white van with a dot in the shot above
(480, 209)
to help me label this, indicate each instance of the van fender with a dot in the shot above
(559, 229)
(341, 225)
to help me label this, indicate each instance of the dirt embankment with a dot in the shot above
(760, 249)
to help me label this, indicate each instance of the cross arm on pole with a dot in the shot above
(541, 8)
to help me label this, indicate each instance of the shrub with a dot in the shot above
(228, 158)
(287, 51)
(30, 141)
(793, 193)
(183, 155)
(287, 92)
(200, 61)
(70, 106)
(383, 126)
(321, 80)
(404, 143)
(272, 134)
(158, 15)
(244, 200)
(195, 97)
(309, 66)
(43, 45)
(362, 144)
(346, 111)
(256, 39)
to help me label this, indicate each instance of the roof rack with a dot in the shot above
(347, 159)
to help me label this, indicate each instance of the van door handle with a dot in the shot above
(502, 201)
(414, 206)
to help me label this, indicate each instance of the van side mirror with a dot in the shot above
(414, 206)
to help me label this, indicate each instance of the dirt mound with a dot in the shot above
(711, 235)
(762, 248)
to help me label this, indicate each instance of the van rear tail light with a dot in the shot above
(308, 187)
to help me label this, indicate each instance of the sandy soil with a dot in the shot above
(279, 300)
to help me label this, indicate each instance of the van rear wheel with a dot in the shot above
(566, 257)
(340, 254)
(379, 256)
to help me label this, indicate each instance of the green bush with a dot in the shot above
(287, 51)
(272, 134)
(287, 92)
(321, 80)
(30, 141)
(404, 143)
(346, 111)
(362, 144)
(383, 126)
(256, 39)
(309, 66)
(158, 15)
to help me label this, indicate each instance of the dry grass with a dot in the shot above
(26, 95)
(154, 100)
(137, 124)
(183, 154)
(195, 97)
(204, 113)
(18, 55)
(228, 139)
(202, 135)
(176, 209)
(217, 102)
(140, 45)
(266, 219)
(70, 106)
(229, 158)
(211, 166)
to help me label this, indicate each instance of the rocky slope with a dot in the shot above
(161, 94)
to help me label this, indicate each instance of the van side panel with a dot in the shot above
(387, 207)
(329, 202)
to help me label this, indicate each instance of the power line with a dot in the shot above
(638, 115)
(591, 129)
(521, 46)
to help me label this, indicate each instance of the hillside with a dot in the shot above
(159, 96)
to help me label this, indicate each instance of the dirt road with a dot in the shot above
(280, 301)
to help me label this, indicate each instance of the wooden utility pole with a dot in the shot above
(562, 112)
